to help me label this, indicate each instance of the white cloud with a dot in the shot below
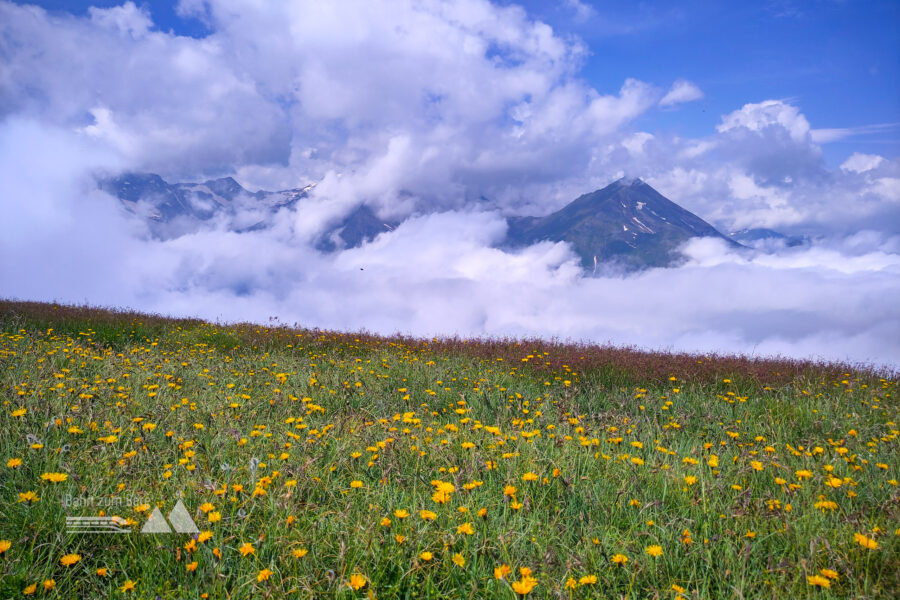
(761, 206)
(680, 92)
(166, 103)
(825, 136)
(126, 19)
(860, 163)
(635, 143)
(833, 134)
(887, 188)
(581, 10)
(770, 113)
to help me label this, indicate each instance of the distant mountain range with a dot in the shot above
(762, 234)
(173, 209)
(627, 224)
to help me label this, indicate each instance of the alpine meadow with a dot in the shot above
(321, 464)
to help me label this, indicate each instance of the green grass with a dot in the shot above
(319, 410)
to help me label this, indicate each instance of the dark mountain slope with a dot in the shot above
(627, 223)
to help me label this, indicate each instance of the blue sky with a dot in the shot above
(451, 116)
(838, 59)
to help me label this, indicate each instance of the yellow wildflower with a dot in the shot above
(865, 542)
(69, 559)
(465, 528)
(246, 548)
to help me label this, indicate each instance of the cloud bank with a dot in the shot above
(451, 115)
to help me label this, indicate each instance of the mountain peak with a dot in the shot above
(225, 186)
(627, 222)
(629, 182)
(222, 181)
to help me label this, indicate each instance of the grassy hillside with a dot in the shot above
(325, 464)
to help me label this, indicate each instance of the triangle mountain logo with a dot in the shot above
(181, 521)
(179, 518)
(156, 523)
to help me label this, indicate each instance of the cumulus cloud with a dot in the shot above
(773, 114)
(860, 163)
(165, 103)
(452, 115)
(681, 91)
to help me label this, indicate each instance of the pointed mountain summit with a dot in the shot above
(627, 223)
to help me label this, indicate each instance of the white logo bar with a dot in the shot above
(97, 525)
